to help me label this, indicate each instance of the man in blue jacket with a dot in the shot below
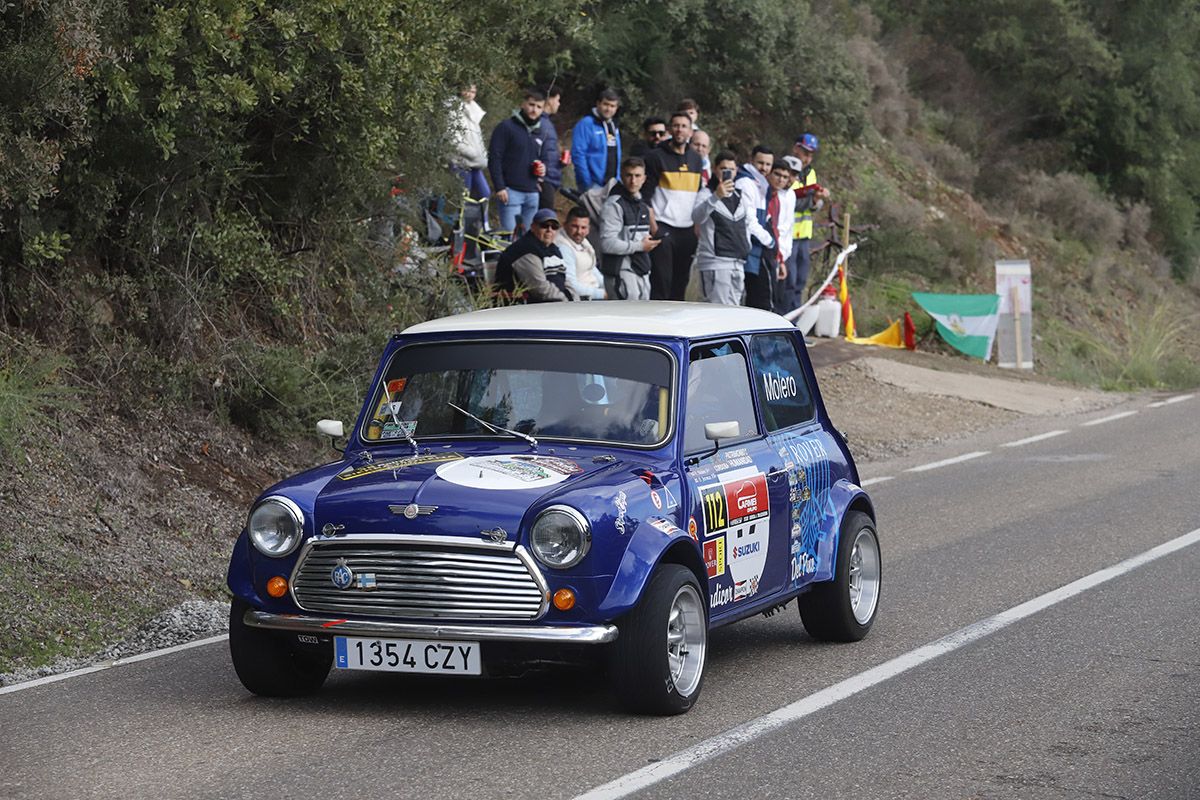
(596, 143)
(517, 157)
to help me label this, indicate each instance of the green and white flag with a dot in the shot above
(965, 321)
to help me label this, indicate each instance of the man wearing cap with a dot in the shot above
(532, 268)
(809, 196)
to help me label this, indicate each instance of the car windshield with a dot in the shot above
(558, 390)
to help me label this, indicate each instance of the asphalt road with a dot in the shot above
(1097, 695)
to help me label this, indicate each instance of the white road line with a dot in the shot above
(748, 732)
(1040, 437)
(949, 461)
(1177, 398)
(16, 687)
(873, 481)
(1109, 418)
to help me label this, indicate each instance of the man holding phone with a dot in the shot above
(723, 217)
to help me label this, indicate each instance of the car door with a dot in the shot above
(800, 448)
(730, 500)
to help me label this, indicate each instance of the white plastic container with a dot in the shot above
(829, 317)
(807, 319)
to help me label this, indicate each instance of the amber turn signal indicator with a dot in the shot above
(277, 586)
(564, 599)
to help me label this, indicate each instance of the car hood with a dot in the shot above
(444, 493)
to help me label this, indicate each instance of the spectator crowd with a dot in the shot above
(645, 220)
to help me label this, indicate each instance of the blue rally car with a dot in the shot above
(539, 483)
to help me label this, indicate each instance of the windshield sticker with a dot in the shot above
(398, 430)
(393, 464)
(509, 472)
(397, 386)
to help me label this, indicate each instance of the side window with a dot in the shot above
(783, 394)
(718, 390)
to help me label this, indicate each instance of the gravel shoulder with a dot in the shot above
(117, 538)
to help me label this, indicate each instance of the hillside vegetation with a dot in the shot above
(205, 206)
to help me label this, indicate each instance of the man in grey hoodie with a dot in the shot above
(723, 215)
(625, 242)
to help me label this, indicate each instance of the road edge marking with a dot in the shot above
(1109, 418)
(873, 481)
(735, 737)
(120, 662)
(1030, 440)
(948, 461)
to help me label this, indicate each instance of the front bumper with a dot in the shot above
(580, 634)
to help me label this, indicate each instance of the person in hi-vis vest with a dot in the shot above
(810, 196)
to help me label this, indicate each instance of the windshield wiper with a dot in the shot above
(494, 428)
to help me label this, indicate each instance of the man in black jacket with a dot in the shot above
(532, 268)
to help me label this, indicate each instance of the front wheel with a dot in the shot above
(842, 610)
(657, 662)
(274, 664)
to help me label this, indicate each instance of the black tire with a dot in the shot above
(828, 610)
(274, 663)
(640, 666)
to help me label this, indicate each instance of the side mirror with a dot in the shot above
(334, 429)
(331, 427)
(722, 430)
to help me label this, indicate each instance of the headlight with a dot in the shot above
(276, 526)
(561, 537)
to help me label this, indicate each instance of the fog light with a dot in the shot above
(277, 586)
(564, 599)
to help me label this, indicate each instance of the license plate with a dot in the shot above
(407, 655)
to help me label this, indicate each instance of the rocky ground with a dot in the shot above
(116, 540)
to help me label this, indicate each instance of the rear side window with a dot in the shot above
(718, 390)
(783, 395)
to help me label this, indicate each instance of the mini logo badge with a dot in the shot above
(495, 535)
(412, 510)
(341, 575)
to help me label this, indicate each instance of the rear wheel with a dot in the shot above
(843, 610)
(275, 664)
(657, 662)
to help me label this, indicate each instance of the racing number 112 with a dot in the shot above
(714, 510)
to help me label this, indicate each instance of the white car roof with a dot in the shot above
(649, 318)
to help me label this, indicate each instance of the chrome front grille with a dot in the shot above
(420, 578)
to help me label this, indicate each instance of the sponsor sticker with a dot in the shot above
(393, 464)
(654, 498)
(665, 525)
(622, 505)
(714, 556)
(509, 471)
(692, 528)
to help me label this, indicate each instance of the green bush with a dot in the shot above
(31, 386)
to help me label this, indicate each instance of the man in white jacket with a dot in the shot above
(470, 154)
(781, 208)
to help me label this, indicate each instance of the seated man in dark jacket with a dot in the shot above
(532, 267)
